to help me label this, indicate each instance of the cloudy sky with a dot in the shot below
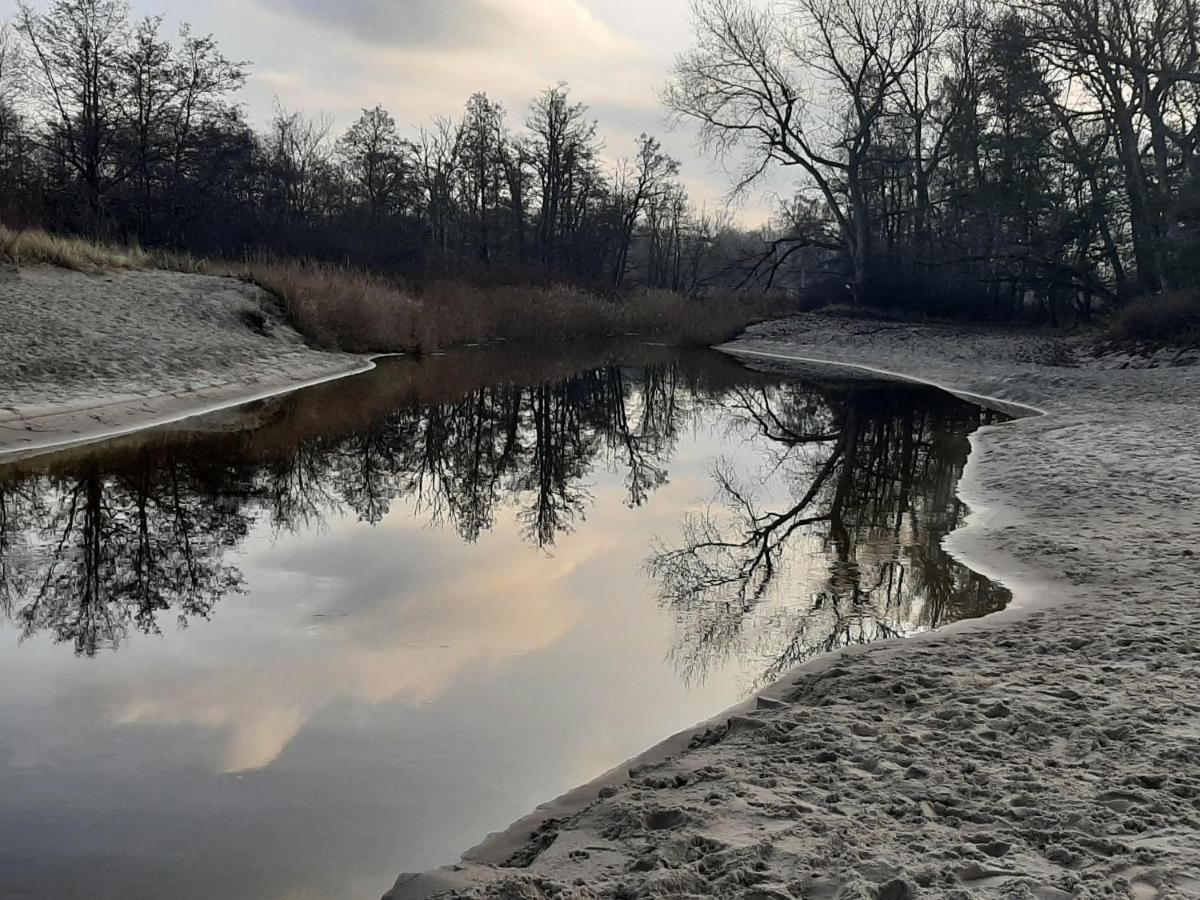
(423, 58)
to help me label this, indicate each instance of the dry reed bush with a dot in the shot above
(33, 246)
(702, 321)
(1172, 318)
(338, 308)
(459, 313)
(455, 313)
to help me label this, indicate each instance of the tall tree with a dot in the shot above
(804, 85)
(563, 148)
(74, 46)
(483, 143)
(640, 182)
(1138, 64)
(371, 154)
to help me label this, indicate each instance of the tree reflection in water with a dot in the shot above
(96, 545)
(865, 475)
(88, 557)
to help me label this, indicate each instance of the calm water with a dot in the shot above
(305, 646)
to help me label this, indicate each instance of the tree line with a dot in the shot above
(108, 128)
(963, 152)
(955, 156)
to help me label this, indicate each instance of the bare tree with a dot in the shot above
(204, 78)
(437, 160)
(1138, 62)
(563, 148)
(74, 46)
(300, 150)
(14, 128)
(639, 182)
(370, 152)
(14, 68)
(804, 85)
(482, 146)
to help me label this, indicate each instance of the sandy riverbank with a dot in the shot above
(1051, 751)
(84, 356)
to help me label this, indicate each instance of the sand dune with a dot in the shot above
(1050, 751)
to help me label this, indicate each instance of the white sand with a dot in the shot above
(88, 356)
(1050, 751)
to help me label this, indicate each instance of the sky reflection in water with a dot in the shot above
(308, 645)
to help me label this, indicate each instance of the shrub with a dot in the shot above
(1172, 318)
(337, 308)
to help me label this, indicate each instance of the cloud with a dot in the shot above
(422, 59)
(404, 22)
(408, 644)
(461, 24)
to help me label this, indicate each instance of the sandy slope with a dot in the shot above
(1051, 751)
(82, 355)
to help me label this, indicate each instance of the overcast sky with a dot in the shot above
(423, 58)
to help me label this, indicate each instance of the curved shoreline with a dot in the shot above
(1025, 589)
(1017, 410)
(87, 357)
(498, 847)
(1009, 536)
(70, 428)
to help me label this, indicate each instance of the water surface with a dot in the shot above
(297, 648)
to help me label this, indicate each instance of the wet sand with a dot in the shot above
(88, 356)
(1049, 751)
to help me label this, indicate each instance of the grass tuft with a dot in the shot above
(33, 246)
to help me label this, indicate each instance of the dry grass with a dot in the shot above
(351, 310)
(454, 313)
(341, 308)
(32, 246)
(1172, 318)
(336, 308)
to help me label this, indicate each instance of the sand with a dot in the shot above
(1049, 751)
(88, 356)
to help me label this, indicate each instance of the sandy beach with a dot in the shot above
(86, 356)
(1050, 751)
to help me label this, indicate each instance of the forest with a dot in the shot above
(961, 158)
(110, 129)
